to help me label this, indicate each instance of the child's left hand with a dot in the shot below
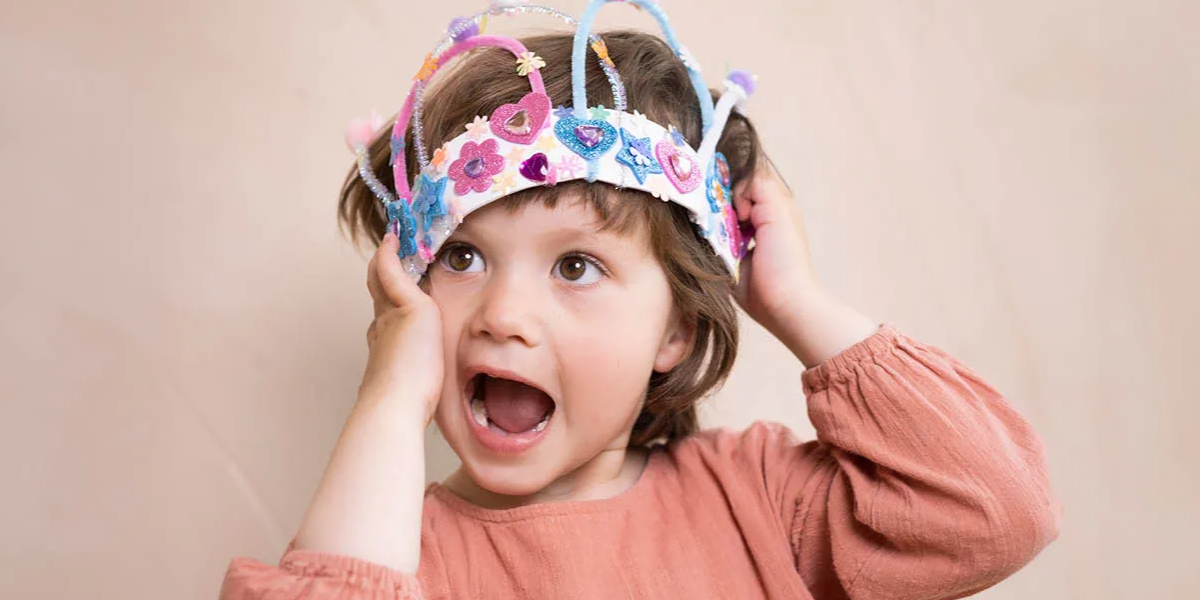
(777, 273)
(777, 286)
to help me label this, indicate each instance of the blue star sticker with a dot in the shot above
(562, 112)
(397, 148)
(429, 200)
(636, 154)
(405, 226)
(676, 136)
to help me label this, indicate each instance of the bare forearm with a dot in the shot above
(816, 327)
(368, 504)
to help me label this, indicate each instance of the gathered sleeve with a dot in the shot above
(316, 575)
(923, 483)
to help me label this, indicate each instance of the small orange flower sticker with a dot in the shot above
(439, 157)
(428, 67)
(602, 51)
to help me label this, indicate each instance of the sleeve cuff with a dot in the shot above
(842, 364)
(354, 571)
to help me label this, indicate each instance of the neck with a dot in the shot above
(606, 475)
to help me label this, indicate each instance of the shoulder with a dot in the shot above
(761, 448)
(759, 436)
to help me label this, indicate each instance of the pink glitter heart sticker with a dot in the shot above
(521, 123)
(680, 168)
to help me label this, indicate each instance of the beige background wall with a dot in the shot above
(182, 328)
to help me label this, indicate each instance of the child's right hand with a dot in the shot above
(405, 338)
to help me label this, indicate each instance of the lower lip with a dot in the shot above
(512, 443)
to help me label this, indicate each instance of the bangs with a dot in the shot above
(619, 211)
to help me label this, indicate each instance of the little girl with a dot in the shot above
(558, 298)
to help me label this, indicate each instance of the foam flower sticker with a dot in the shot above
(515, 156)
(733, 232)
(439, 157)
(428, 203)
(528, 63)
(569, 167)
(477, 128)
(424, 250)
(401, 221)
(428, 68)
(716, 196)
(660, 189)
(504, 182)
(454, 210)
(602, 51)
(546, 143)
(475, 166)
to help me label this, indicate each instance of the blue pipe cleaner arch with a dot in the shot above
(579, 51)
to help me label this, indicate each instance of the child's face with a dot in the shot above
(521, 300)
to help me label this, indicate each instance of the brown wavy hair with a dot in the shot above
(658, 86)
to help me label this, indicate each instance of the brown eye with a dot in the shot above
(579, 269)
(572, 268)
(462, 258)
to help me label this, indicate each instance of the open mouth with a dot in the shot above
(507, 407)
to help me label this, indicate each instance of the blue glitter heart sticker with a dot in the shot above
(588, 138)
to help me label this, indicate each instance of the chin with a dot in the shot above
(521, 473)
(508, 480)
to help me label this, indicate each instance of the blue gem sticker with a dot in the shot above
(588, 138)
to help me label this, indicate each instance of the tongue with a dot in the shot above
(514, 407)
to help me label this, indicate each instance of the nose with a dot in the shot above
(506, 312)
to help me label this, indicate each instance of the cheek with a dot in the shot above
(608, 361)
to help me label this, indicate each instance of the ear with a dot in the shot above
(676, 342)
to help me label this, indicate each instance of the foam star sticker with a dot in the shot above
(429, 202)
(514, 156)
(598, 113)
(528, 63)
(636, 154)
(562, 112)
(676, 136)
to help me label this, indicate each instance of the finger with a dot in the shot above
(743, 197)
(744, 274)
(397, 286)
(377, 294)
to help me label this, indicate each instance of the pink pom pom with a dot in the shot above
(359, 133)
